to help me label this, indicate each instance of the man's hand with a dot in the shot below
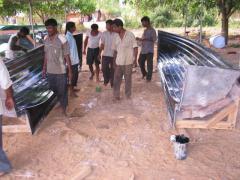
(84, 52)
(9, 103)
(44, 73)
(69, 77)
(138, 39)
(99, 57)
(135, 63)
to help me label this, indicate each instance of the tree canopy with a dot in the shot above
(46, 8)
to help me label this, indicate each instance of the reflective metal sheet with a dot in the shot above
(174, 52)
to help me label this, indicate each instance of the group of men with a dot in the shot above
(116, 49)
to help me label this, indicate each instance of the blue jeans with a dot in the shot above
(5, 165)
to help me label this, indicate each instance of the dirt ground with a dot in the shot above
(128, 140)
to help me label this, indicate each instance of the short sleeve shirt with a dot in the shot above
(93, 41)
(73, 48)
(55, 50)
(5, 81)
(107, 40)
(148, 45)
(125, 48)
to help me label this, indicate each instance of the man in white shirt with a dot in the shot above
(6, 85)
(70, 29)
(125, 55)
(92, 41)
(107, 55)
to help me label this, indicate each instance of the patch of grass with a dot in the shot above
(235, 45)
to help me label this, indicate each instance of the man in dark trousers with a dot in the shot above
(57, 55)
(107, 55)
(93, 42)
(147, 51)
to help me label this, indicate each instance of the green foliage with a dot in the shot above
(111, 7)
(10, 8)
(46, 8)
(177, 23)
(86, 7)
(132, 23)
(162, 17)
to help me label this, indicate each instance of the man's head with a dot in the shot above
(117, 25)
(145, 21)
(23, 32)
(109, 25)
(51, 26)
(94, 28)
(70, 26)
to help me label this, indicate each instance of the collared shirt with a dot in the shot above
(125, 48)
(55, 50)
(73, 48)
(107, 39)
(93, 41)
(9, 53)
(5, 82)
(148, 45)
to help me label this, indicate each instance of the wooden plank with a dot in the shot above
(15, 128)
(221, 115)
(214, 122)
(233, 116)
(18, 128)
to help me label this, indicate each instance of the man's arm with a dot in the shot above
(135, 56)
(153, 37)
(85, 45)
(29, 38)
(6, 84)
(44, 67)
(69, 66)
(101, 49)
(14, 46)
(114, 58)
(9, 102)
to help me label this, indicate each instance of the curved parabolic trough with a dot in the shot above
(174, 53)
(31, 92)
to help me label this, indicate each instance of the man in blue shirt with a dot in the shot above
(70, 29)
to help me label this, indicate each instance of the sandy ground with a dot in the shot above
(128, 140)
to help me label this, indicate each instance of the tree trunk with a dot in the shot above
(225, 20)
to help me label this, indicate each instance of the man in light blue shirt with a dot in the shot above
(70, 29)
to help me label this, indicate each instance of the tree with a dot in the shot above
(10, 7)
(47, 8)
(227, 8)
(85, 7)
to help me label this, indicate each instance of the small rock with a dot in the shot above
(103, 126)
(121, 117)
(123, 163)
(83, 173)
(132, 177)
